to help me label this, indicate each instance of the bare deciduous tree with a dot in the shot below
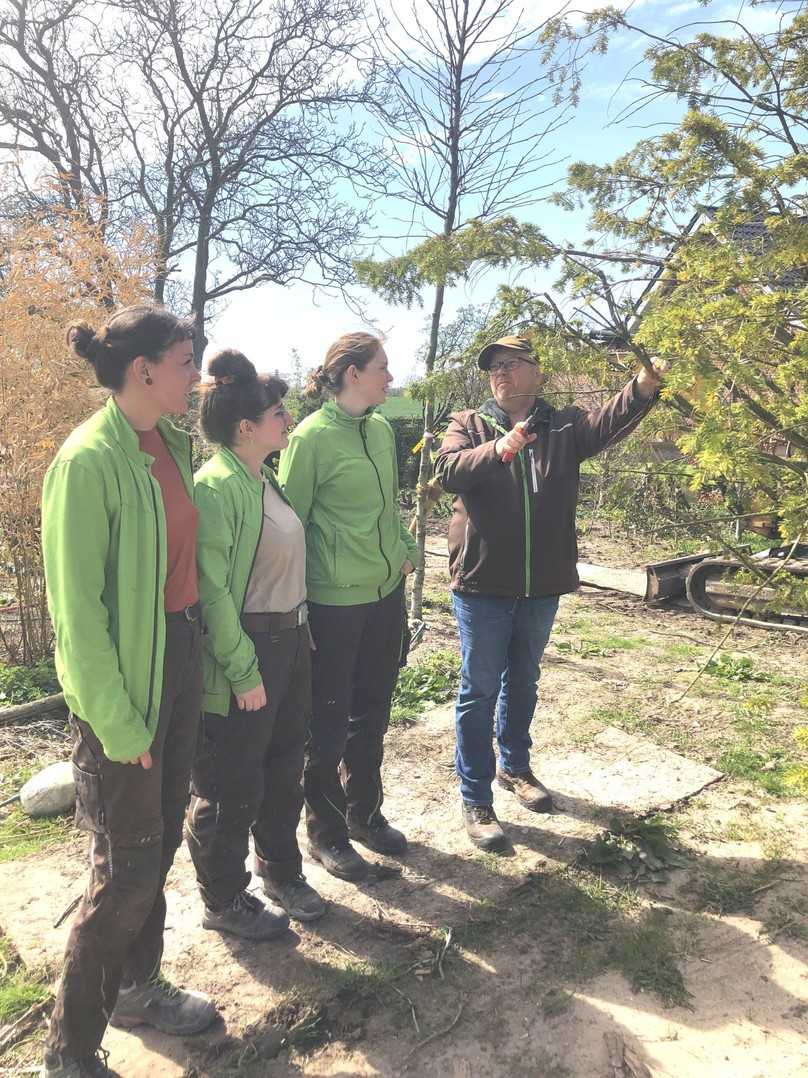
(469, 125)
(226, 125)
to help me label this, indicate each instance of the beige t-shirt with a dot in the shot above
(277, 582)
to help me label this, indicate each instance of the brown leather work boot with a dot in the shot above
(528, 790)
(483, 828)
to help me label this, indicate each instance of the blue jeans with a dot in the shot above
(502, 641)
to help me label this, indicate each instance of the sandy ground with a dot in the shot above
(453, 963)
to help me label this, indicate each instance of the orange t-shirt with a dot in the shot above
(181, 517)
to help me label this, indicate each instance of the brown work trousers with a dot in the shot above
(134, 817)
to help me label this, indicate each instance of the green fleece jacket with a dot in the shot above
(341, 477)
(104, 547)
(230, 500)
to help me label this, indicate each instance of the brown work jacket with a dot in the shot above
(512, 531)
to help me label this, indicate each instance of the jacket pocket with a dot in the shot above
(360, 561)
(89, 800)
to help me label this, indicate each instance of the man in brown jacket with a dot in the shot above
(513, 467)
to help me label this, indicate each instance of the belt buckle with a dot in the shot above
(189, 617)
(300, 612)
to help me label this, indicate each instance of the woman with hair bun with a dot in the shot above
(340, 475)
(119, 540)
(257, 667)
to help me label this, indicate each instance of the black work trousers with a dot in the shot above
(354, 672)
(247, 776)
(135, 819)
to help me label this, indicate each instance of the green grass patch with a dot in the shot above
(627, 718)
(437, 600)
(734, 890)
(20, 835)
(22, 684)
(738, 668)
(771, 769)
(645, 955)
(401, 407)
(591, 645)
(20, 988)
(431, 681)
(683, 651)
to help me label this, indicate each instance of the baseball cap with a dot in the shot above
(515, 344)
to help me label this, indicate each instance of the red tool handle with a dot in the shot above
(509, 454)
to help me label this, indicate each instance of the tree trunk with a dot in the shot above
(425, 470)
(200, 289)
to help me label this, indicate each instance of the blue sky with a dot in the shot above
(268, 322)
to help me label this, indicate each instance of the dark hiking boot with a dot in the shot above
(378, 835)
(160, 1004)
(248, 917)
(298, 898)
(94, 1066)
(341, 860)
(528, 790)
(482, 827)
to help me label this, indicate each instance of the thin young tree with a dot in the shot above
(469, 128)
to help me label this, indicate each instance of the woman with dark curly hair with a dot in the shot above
(256, 661)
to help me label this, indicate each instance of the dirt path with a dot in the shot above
(474, 966)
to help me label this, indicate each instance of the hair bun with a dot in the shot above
(83, 341)
(229, 366)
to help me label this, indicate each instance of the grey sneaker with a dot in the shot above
(94, 1066)
(161, 1004)
(482, 827)
(248, 917)
(297, 897)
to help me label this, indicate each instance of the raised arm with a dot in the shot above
(599, 428)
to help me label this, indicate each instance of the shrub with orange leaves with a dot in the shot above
(53, 270)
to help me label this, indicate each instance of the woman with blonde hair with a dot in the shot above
(340, 475)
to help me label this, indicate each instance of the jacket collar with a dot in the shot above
(338, 415)
(541, 410)
(234, 465)
(120, 430)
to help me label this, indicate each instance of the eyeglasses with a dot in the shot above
(508, 365)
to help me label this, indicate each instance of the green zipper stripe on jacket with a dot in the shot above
(528, 536)
(384, 504)
(526, 499)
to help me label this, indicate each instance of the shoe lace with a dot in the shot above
(483, 814)
(246, 902)
(163, 985)
(100, 1055)
(378, 822)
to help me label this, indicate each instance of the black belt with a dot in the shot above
(188, 613)
(273, 623)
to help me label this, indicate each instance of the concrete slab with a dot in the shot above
(625, 772)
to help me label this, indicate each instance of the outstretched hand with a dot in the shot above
(648, 382)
